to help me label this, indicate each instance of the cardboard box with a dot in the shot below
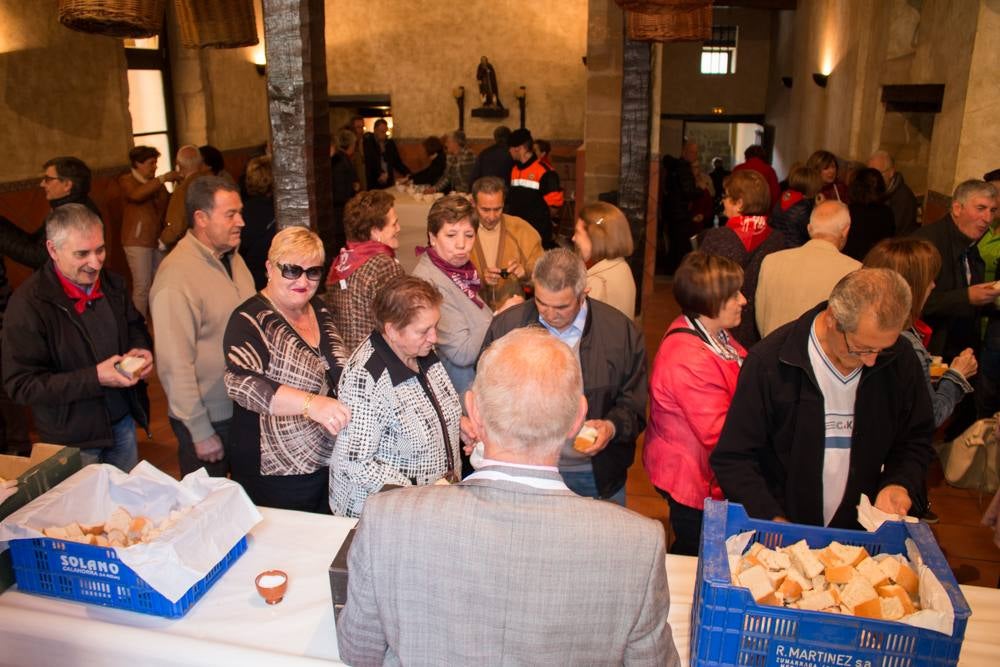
(47, 466)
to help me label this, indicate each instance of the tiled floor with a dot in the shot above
(968, 546)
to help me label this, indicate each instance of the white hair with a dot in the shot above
(830, 218)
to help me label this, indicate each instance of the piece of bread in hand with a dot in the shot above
(131, 367)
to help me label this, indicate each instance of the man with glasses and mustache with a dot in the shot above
(196, 289)
(828, 407)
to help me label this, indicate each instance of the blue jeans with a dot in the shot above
(583, 484)
(123, 454)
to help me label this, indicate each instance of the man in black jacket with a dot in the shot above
(615, 370)
(495, 160)
(66, 330)
(382, 159)
(829, 407)
(66, 180)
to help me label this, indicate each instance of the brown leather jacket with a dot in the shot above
(142, 215)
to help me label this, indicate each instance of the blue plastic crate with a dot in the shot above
(85, 573)
(729, 628)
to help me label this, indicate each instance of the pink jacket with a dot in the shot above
(690, 389)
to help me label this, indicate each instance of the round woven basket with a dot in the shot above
(114, 18)
(690, 24)
(221, 24)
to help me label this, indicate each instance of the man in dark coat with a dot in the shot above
(898, 194)
(677, 191)
(382, 159)
(495, 160)
(67, 331)
(829, 407)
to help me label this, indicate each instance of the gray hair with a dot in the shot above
(558, 269)
(527, 388)
(189, 157)
(66, 217)
(200, 195)
(883, 293)
(830, 218)
(973, 187)
(884, 157)
(489, 185)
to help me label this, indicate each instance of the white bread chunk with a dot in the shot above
(55, 532)
(773, 560)
(803, 556)
(869, 609)
(871, 571)
(776, 577)
(899, 571)
(819, 583)
(789, 590)
(848, 554)
(897, 591)
(758, 582)
(892, 609)
(119, 520)
(840, 574)
(817, 600)
(858, 591)
(73, 531)
(795, 575)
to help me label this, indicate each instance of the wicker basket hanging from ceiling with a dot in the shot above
(114, 18)
(668, 20)
(221, 24)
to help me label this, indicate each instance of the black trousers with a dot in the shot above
(686, 523)
(189, 461)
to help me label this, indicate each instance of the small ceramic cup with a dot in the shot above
(272, 584)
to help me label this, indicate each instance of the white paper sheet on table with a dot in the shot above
(220, 515)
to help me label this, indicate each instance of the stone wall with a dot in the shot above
(687, 91)
(62, 92)
(602, 132)
(419, 52)
(864, 46)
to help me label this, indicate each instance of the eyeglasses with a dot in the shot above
(49, 179)
(857, 353)
(294, 272)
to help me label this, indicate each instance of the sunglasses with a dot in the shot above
(294, 272)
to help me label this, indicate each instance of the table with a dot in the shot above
(412, 214)
(231, 625)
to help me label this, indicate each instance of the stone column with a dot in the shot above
(299, 112)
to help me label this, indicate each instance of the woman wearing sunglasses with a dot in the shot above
(284, 356)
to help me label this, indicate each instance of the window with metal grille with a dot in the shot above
(718, 54)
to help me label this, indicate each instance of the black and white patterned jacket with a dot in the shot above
(404, 426)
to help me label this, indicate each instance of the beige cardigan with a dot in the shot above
(611, 281)
(191, 300)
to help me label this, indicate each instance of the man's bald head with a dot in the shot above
(830, 221)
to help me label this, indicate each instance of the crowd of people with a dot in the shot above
(316, 373)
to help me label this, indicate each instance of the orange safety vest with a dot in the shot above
(531, 176)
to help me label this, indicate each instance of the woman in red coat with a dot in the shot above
(691, 386)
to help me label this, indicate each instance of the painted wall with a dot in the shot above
(418, 53)
(686, 90)
(61, 92)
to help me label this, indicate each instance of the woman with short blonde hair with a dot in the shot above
(603, 238)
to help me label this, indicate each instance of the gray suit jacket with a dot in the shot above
(495, 572)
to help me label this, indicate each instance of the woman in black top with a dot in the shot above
(283, 358)
(433, 172)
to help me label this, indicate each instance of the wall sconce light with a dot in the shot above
(786, 81)
(260, 59)
(521, 94)
(459, 95)
(821, 79)
(718, 111)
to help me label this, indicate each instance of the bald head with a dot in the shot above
(189, 160)
(830, 221)
(527, 399)
(882, 161)
(689, 152)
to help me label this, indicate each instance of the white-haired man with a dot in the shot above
(509, 565)
(830, 407)
(612, 356)
(793, 281)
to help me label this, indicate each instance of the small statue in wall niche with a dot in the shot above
(489, 93)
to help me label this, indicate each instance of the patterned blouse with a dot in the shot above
(263, 352)
(404, 426)
(352, 307)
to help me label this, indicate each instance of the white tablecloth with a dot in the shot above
(412, 214)
(231, 625)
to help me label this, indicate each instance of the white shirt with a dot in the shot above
(839, 392)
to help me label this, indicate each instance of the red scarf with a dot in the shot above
(924, 331)
(77, 294)
(353, 256)
(789, 198)
(465, 277)
(752, 229)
